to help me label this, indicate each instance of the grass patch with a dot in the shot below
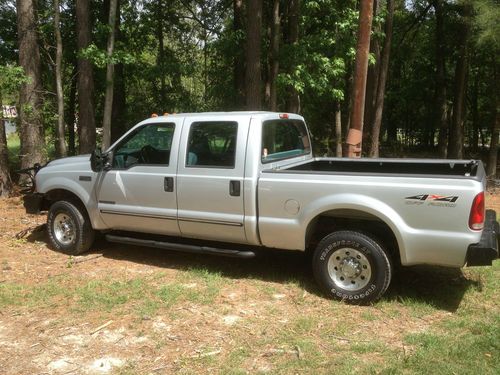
(39, 295)
(13, 147)
(107, 294)
(10, 294)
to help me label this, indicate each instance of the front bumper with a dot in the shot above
(486, 251)
(33, 203)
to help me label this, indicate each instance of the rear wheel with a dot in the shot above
(69, 228)
(352, 267)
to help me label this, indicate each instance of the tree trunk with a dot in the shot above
(384, 69)
(441, 110)
(161, 54)
(274, 59)
(253, 51)
(70, 114)
(239, 60)
(108, 99)
(118, 112)
(5, 182)
(373, 76)
(354, 137)
(338, 131)
(491, 169)
(30, 100)
(475, 112)
(293, 100)
(60, 131)
(456, 139)
(86, 91)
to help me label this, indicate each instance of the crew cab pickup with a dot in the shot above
(238, 182)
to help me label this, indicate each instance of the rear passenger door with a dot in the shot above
(210, 179)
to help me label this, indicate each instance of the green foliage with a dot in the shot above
(194, 68)
(487, 22)
(100, 58)
(11, 79)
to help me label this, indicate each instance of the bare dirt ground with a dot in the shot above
(124, 309)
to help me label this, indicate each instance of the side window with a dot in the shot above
(212, 144)
(148, 145)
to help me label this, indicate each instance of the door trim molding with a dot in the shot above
(138, 215)
(207, 221)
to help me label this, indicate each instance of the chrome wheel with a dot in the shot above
(349, 269)
(64, 229)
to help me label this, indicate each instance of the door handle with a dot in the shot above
(234, 188)
(168, 184)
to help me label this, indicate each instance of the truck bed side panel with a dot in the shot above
(429, 216)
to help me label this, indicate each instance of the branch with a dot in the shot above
(415, 22)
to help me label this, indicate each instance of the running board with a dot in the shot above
(181, 247)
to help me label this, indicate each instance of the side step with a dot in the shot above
(181, 247)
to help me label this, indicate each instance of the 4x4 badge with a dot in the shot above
(434, 197)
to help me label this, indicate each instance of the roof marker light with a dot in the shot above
(154, 115)
(284, 115)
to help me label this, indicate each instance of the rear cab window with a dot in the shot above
(283, 139)
(212, 144)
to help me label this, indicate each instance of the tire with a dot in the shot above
(69, 228)
(352, 267)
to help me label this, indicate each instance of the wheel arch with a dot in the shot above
(353, 212)
(59, 194)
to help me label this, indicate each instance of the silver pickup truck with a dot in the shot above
(234, 183)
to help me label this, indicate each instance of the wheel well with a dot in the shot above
(335, 220)
(60, 194)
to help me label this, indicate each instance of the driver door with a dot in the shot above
(138, 193)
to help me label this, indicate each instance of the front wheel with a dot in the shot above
(352, 267)
(69, 228)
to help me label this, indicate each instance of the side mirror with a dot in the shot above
(97, 160)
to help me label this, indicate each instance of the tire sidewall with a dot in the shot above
(378, 260)
(69, 209)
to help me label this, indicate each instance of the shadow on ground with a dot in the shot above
(442, 288)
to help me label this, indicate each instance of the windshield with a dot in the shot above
(283, 139)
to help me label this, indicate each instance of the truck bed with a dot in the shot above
(403, 167)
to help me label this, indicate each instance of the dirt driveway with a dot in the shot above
(127, 310)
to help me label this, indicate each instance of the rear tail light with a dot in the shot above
(476, 218)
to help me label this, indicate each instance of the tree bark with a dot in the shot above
(274, 58)
(239, 58)
(60, 131)
(119, 109)
(5, 181)
(30, 100)
(456, 139)
(161, 54)
(338, 130)
(86, 91)
(253, 52)
(108, 100)
(70, 114)
(373, 75)
(354, 137)
(441, 110)
(491, 169)
(383, 72)
(475, 111)
(293, 100)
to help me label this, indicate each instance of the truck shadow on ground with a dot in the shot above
(441, 288)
